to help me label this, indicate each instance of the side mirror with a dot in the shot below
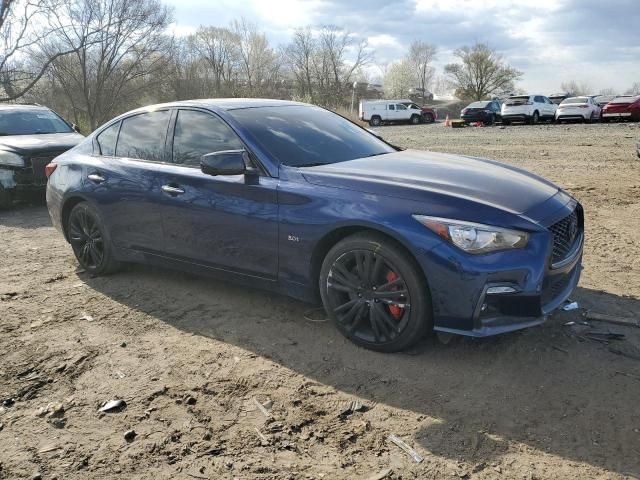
(75, 128)
(227, 162)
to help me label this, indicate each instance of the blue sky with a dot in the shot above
(593, 41)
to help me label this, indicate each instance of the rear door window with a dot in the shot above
(198, 133)
(392, 107)
(143, 136)
(107, 140)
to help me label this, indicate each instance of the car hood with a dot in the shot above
(412, 174)
(27, 144)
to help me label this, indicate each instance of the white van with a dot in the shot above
(377, 111)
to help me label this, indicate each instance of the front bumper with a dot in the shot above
(460, 285)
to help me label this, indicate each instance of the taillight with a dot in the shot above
(49, 169)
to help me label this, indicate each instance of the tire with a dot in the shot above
(590, 119)
(6, 198)
(534, 118)
(492, 119)
(375, 121)
(428, 118)
(414, 120)
(506, 122)
(90, 241)
(360, 283)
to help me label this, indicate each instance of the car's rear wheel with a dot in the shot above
(89, 240)
(375, 121)
(534, 118)
(375, 293)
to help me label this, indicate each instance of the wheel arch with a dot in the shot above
(67, 206)
(331, 238)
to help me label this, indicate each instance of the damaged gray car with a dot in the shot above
(30, 137)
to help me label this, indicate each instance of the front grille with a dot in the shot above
(37, 164)
(565, 232)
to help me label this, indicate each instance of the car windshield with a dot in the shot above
(575, 100)
(304, 136)
(478, 105)
(31, 122)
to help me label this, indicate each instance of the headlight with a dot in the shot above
(10, 158)
(474, 237)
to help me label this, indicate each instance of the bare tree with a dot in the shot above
(26, 51)
(5, 5)
(219, 49)
(400, 77)
(258, 61)
(482, 71)
(421, 56)
(299, 57)
(634, 90)
(607, 91)
(122, 61)
(573, 87)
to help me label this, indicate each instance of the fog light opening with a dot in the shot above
(499, 290)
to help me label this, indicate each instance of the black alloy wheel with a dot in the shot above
(374, 294)
(88, 240)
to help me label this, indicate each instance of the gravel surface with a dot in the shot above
(223, 382)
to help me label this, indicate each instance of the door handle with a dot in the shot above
(173, 191)
(96, 178)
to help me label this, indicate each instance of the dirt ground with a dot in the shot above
(193, 357)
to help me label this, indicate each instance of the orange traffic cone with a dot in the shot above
(447, 123)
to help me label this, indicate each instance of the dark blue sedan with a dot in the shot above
(296, 199)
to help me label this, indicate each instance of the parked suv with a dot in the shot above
(528, 108)
(30, 137)
(378, 111)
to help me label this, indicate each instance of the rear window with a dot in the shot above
(576, 100)
(142, 136)
(517, 100)
(31, 122)
(624, 99)
(478, 105)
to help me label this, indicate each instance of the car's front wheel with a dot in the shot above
(375, 293)
(89, 240)
(415, 120)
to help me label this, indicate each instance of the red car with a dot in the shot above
(429, 115)
(622, 108)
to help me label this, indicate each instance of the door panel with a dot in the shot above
(225, 221)
(127, 182)
(228, 222)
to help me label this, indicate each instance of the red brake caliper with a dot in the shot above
(395, 311)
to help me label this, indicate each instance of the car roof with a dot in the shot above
(223, 104)
(21, 106)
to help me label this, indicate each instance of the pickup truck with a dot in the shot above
(377, 112)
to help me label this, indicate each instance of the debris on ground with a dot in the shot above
(113, 406)
(381, 475)
(409, 451)
(570, 306)
(264, 408)
(352, 406)
(129, 435)
(624, 321)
